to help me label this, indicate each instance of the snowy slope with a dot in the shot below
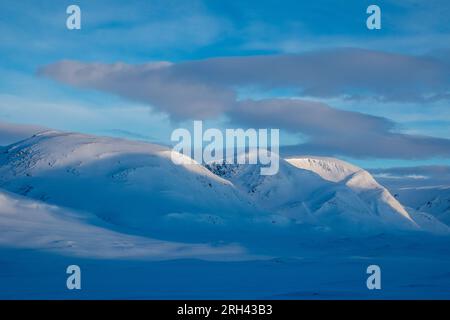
(125, 183)
(323, 191)
(433, 200)
(429, 222)
(26, 223)
(376, 197)
(328, 168)
(286, 190)
(425, 188)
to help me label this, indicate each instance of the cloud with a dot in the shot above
(431, 176)
(441, 172)
(338, 132)
(353, 73)
(155, 83)
(208, 89)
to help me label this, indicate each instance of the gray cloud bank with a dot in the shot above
(338, 132)
(208, 88)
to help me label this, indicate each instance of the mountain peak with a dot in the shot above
(330, 169)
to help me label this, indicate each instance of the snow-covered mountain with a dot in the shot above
(433, 200)
(326, 192)
(125, 183)
(111, 205)
(423, 189)
(376, 197)
(136, 185)
(374, 194)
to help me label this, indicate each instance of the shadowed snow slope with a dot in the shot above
(434, 200)
(26, 223)
(425, 188)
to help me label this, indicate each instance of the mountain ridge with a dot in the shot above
(136, 185)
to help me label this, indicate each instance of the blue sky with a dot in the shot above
(188, 35)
